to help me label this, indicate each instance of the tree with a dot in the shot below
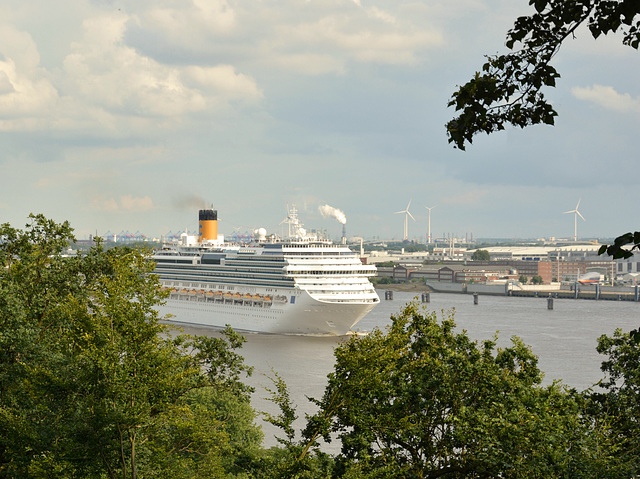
(509, 88)
(523, 279)
(481, 255)
(619, 247)
(537, 279)
(423, 401)
(91, 383)
(386, 264)
(618, 404)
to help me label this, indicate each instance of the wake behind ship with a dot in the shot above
(300, 285)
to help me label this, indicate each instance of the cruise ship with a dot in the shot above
(299, 285)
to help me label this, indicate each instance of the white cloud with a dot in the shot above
(6, 86)
(105, 204)
(382, 15)
(102, 70)
(607, 97)
(345, 36)
(25, 89)
(107, 86)
(126, 204)
(131, 203)
(311, 64)
(192, 21)
(224, 79)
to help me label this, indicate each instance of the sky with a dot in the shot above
(130, 116)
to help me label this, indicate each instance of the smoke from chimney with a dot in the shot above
(330, 212)
(191, 202)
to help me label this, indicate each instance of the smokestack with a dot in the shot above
(344, 233)
(208, 220)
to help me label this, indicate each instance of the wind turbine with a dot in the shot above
(576, 213)
(429, 236)
(406, 220)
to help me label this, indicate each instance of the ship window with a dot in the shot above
(210, 260)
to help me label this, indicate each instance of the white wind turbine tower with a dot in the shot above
(406, 220)
(429, 235)
(576, 213)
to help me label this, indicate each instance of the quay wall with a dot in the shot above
(601, 292)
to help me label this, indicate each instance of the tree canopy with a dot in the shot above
(91, 383)
(481, 255)
(509, 87)
(422, 400)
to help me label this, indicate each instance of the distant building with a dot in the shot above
(550, 263)
(628, 270)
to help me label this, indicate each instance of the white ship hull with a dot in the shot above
(305, 316)
(301, 286)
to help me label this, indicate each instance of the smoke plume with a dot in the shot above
(191, 202)
(330, 212)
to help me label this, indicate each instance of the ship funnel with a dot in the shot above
(208, 225)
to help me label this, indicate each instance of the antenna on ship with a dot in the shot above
(293, 222)
(288, 221)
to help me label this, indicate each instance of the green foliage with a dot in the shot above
(618, 249)
(382, 280)
(386, 264)
(408, 247)
(481, 255)
(91, 383)
(619, 405)
(280, 397)
(299, 459)
(509, 88)
(424, 401)
(523, 279)
(536, 279)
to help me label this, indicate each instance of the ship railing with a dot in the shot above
(218, 297)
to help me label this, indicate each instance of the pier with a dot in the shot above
(563, 294)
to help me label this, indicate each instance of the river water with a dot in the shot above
(563, 338)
